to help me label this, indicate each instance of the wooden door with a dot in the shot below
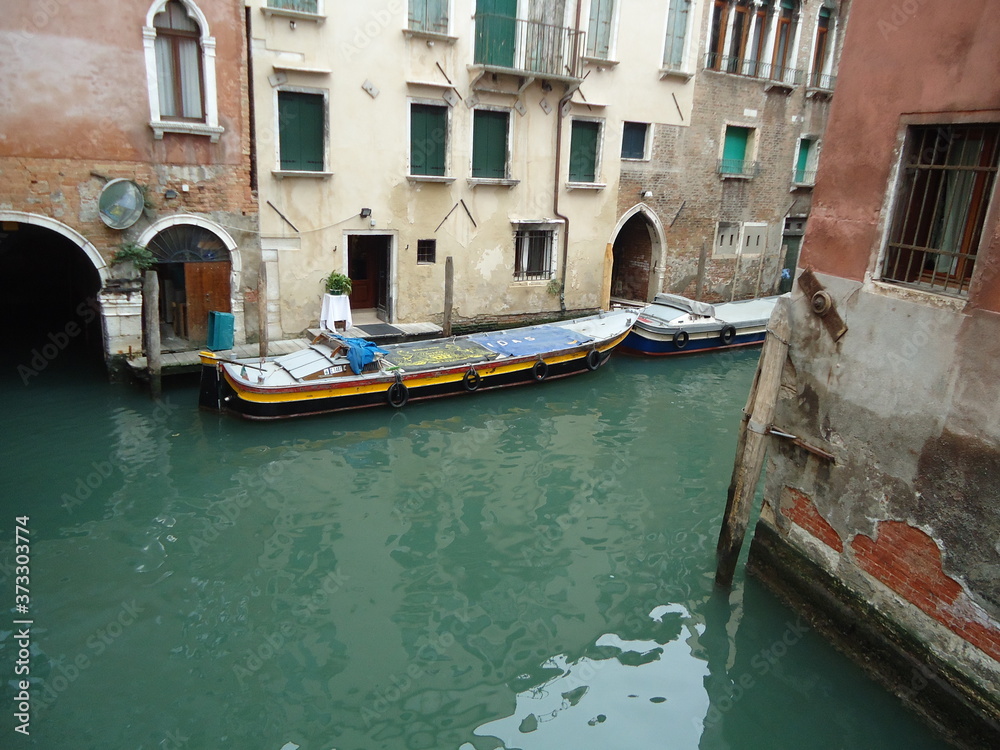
(207, 289)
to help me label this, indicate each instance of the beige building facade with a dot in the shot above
(390, 136)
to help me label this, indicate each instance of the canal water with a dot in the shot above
(523, 569)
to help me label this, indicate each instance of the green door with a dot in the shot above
(734, 152)
(495, 31)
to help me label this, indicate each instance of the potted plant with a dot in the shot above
(131, 256)
(337, 284)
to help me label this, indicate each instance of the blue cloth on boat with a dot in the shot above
(360, 352)
(530, 341)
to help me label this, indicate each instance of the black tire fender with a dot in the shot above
(681, 339)
(471, 380)
(540, 371)
(593, 359)
(397, 395)
(728, 334)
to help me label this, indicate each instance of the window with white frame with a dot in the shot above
(805, 161)
(534, 259)
(678, 14)
(738, 152)
(180, 69)
(429, 15)
(585, 150)
(821, 76)
(490, 139)
(755, 38)
(428, 139)
(600, 28)
(301, 131)
(946, 183)
(299, 6)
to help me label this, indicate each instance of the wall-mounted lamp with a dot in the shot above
(365, 213)
(647, 193)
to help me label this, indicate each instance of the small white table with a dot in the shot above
(336, 309)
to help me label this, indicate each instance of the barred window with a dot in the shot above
(945, 186)
(533, 254)
(426, 251)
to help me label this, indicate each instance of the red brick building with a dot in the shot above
(894, 366)
(125, 128)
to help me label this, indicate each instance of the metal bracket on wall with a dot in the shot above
(822, 304)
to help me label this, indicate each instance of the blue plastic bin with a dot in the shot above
(221, 326)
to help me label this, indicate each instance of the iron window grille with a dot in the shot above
(426, 251)
(739, 168)
(946, 182)
(533, 254)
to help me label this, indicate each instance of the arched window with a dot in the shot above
(180, 69)
(178, 63)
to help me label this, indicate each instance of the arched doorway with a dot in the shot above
(49, 303)
(193, 266)
(637, 248)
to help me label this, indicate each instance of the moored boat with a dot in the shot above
(334, 373)
(677, 325)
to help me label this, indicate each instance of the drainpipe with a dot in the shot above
(555, 184)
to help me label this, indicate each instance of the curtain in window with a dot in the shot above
(190, 75)
(165, 77)
(954, 216)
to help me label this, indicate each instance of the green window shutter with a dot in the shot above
(734, 152)
(429, 15)
(489, 144)
(677, 23)
(301, 120)
(428, 134)
(496, 28)
(583, 151)
(634, 140)
(802, 164)
(599, 32)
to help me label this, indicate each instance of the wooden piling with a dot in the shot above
(151, 315)
(262, 309)
(449, 293)
(752, 443)
(702, 260)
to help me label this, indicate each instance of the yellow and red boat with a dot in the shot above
(335, 373)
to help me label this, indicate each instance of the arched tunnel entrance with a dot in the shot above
(635, 248)
(48, 302)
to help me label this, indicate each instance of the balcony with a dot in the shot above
(748, 68)
(528, 49)
(738, 168)
(804, 177)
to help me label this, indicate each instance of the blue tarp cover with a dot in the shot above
(532, 340)
(360, 352)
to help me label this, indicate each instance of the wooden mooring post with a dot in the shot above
(449, 293)
(151, 313)
(752, 443)
(262, 309)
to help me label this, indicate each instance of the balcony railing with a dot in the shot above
(528, 47)
(738, 168)
(753, 69)
(822, 81)
(804, 177)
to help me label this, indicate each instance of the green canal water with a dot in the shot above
(523, 569)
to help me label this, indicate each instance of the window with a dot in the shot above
(736, 148)
(301, 6)
(489, 144)
(821, 77)
(599, 31)
(429, 15)
(677, 24)
(634, 140)
(755, 39)
(805, 162)
(426, 251)
(178, 63)
(428, 139)
(584, 145)
(533, 245)
(301, 131)
(180, 69)
(946, 182)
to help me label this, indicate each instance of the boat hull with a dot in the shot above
(658, 345)
(221, 391)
